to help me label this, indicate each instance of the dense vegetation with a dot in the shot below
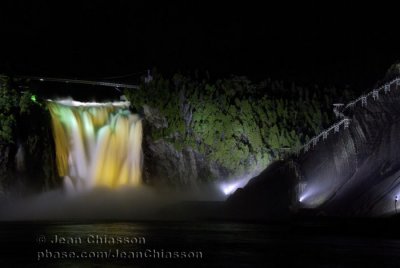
(12, 106)
(24, 131)
(239, 124)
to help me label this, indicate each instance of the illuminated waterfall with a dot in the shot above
(97, 144)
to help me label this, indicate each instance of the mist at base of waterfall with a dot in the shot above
(125, 203)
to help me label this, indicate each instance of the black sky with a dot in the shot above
(333, 44)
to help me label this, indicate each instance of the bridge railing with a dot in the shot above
(79, 81)
(342, 124)
(345, 122)
(373, 93)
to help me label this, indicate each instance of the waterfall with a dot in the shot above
(97, 144)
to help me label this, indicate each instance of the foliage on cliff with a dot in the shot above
(239, 124)
(13, 106)
(25, 133)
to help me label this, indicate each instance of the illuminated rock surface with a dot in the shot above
(354, 171)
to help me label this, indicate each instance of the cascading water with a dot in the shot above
(97, 144)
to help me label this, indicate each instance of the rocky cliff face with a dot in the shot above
(368, 178)
(356, 170)
(353, 170)
(200, 130)
(165, 165)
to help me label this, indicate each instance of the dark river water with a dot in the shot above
(194, 244)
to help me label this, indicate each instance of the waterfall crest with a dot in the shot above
(97, 144)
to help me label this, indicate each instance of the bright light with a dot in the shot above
(230, 187)
(227, 189)
(302, 193)
(33, 98)
(306, 196)
(313, 196)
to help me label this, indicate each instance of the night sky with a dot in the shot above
(339, 45)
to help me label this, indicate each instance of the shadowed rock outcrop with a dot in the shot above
(267, 196)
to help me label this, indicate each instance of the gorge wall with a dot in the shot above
(351, 169)
(196, 131)
(199, 130)
(356, 171)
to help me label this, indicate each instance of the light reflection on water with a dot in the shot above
(223, 245)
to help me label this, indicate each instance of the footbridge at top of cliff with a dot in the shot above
(80, 82)
(51, 87)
